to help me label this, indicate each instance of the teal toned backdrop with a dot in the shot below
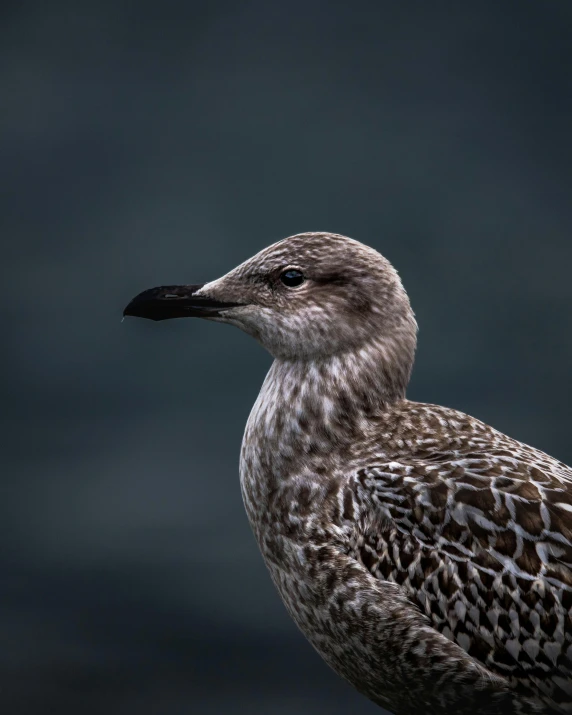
(164, 142)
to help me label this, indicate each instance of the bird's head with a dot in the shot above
(308, 296)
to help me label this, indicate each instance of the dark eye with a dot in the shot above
(292, 278)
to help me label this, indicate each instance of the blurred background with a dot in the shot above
(164, 142)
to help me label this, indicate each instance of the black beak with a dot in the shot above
(167, 302)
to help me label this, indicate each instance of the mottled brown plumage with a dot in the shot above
(426, 556)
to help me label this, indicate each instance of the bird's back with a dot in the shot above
(476, 528)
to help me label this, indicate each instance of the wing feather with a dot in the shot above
(478, 534)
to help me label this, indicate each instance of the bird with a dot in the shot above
(425, 555)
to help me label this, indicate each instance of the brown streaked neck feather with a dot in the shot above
(309, 409)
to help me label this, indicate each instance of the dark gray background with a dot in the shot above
(164, 142)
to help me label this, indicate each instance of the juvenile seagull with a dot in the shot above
(426, 556)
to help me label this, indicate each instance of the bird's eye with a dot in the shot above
(292, 278)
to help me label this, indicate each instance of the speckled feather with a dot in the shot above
(425, 555)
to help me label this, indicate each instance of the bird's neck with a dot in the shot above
(309, 410)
